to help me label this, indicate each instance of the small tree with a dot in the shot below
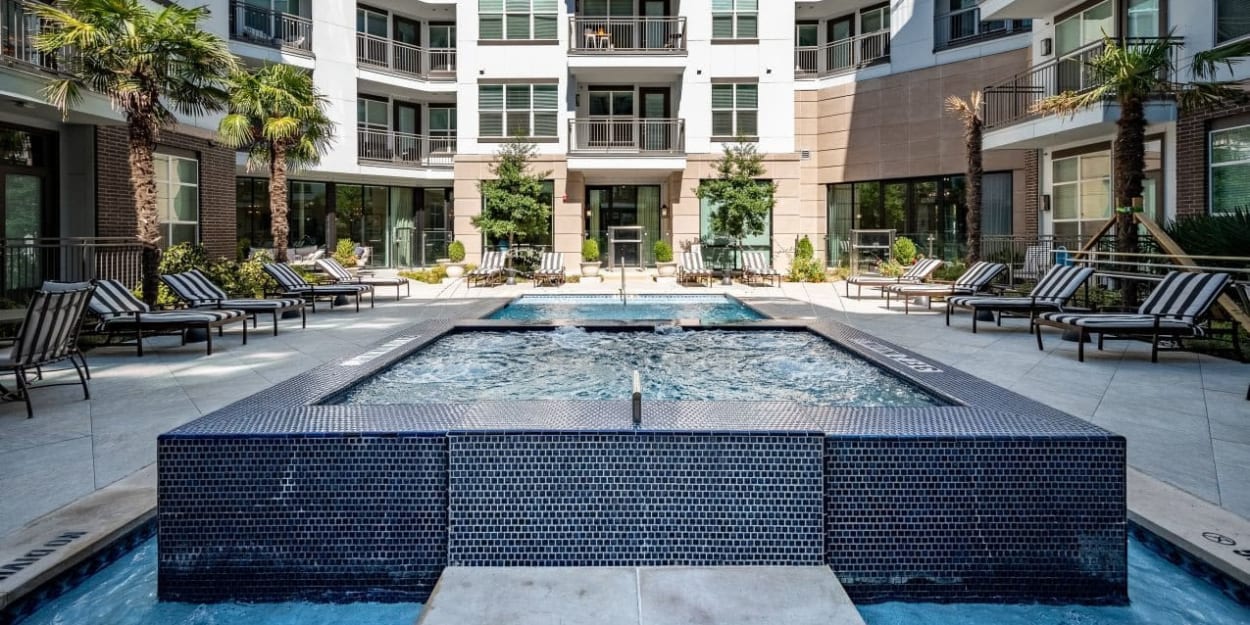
(515, 200)
(741, 202)
(969, 112)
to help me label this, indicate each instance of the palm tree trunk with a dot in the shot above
(278, 202)
(142, 142)
(973, 139)
(1130, 164)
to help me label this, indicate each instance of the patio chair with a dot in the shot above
(49, 334)
(692, 268)
(291, 283)
(1174, 309)
(755, 265)
(488, 272)
(1050, 295)
(341, 275)
(120, 312)
(550, 269)
(194, 288)
(918, 272)
(976, 279)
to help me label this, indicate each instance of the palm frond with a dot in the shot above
(1207, 63)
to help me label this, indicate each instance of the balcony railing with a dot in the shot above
(1015, 100)
(274, 29)
(18, 28)
(644, 136)
(391, 56)
(401, 148)
(965, 27)
(26, 263)
(842, 56)
(627, 35)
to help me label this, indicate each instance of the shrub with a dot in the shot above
(805, 267)
(1212, 235)
(803, 249)
(663, 252)
(455, 252)
(433, 275)
(242, 249)
(251, 279)
(891, 269)
(950, 271)
(590, 251)
(176, 259)
(345, 252)
(904, 250)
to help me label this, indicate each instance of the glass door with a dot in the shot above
(1075, 39)
(442, 47)
(840, 33)
(26, 209)
(656, 126)
(408, 148)
(807, 38)
(612, 112)
(659, 32)
(624, 205)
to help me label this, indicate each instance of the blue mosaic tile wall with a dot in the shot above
(978, 519)
(643, 499)
(276, 518)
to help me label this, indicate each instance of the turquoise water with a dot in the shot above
(708, 309)
(697, 365)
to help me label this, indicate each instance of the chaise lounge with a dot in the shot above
(1050, 294)
(915, 274)
(49, 334)
(692, 268)
(755, 265)
(194, 288)
(342, 276)
(120, 312)
(976, 279)
(290, 283)
(490, 271)
(550, 270)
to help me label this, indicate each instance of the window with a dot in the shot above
(517, 19)
(1230, 170)
(1084, 28)
(371, 22)
(177, 198)
(720, 251)
(517, 110)
(1143, 19)
(1232, 20)
(874, 20)
(371, 113)
(735, 110)
(442, 121)
(735, 19)
(1081, 193)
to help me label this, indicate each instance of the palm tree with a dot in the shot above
(150, 65)
(969, 112)
(1131, 74)
(278, 116)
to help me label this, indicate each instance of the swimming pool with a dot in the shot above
(570, 363)
(708, 309)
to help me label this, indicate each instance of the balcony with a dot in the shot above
(628, 136)
(965, 27)
(841, 57)
(387, 147)
(1022, 9)
(272, 29)
(393, 57)
(627, 35)
(18, 28)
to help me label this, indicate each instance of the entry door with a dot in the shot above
(612, 109)
(658, 33)
(656, 128)
(406, 57)
(839, 32)
(407, 128)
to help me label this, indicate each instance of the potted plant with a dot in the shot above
(664, 265)
(455, 254)
(590, 258)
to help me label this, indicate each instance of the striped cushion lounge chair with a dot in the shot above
(341, 275)
(755, 265)
(692, 268)
(550, 270)
(120, 312)
(1050, 295)
(290, 283)
(194, 288)
(976, 279)
(1174, 309)
(489, 271)
(915, 274)
(49, 334)
(1037, 259)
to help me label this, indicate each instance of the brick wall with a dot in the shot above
(115, 216)
(1191, 158)
(1032, 182)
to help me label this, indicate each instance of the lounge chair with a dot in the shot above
(692, 268)
(120, 312)
(1037, 260)
(194, 288)
(915, 274)
(1174, 309)
(755, 265)
(291, 283)
(976, 279)
(49, 334)
(342, 276)
(1050, 295)
(490, 271)
(550, 270)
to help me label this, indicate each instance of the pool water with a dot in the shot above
(708, 309)
(124, 593)
(574, 364)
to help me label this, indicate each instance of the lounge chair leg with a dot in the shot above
(1101, 336)
(1080, 344)
(275, 322)
(139, 341)
(85, 368)
(1039, 339)
(303, 317)
(209, 333)
(1154, 347)
(25, 392)
(999, 320)
(974, 320)
(948, 317)
(86, 392)
(373, 296)
(245, 331)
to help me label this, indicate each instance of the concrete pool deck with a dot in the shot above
(1185, 418)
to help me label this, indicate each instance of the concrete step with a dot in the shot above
(755, 595)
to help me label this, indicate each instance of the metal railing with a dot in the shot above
(964, 27)
(18, 28)
(630, 135)
(627, 35)
(266, 27)
(393, 56)
(1015, 100)
(401, 148)
(26, 263)
(842, 56)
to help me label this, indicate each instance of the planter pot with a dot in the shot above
(455, 270)
(590, 270)
(666, 270)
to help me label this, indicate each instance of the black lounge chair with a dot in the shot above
(1050, 294)
(198, 291)
(976, 279)
(342, 276)
(915, 274)
(120, 312)
(550, 270)
(755, 265)
(1175, 309)
(49, 334)
(489, 272)
(290, 283)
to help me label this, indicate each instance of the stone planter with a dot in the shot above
(455, 270)
(590, 270)
(666, 270)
